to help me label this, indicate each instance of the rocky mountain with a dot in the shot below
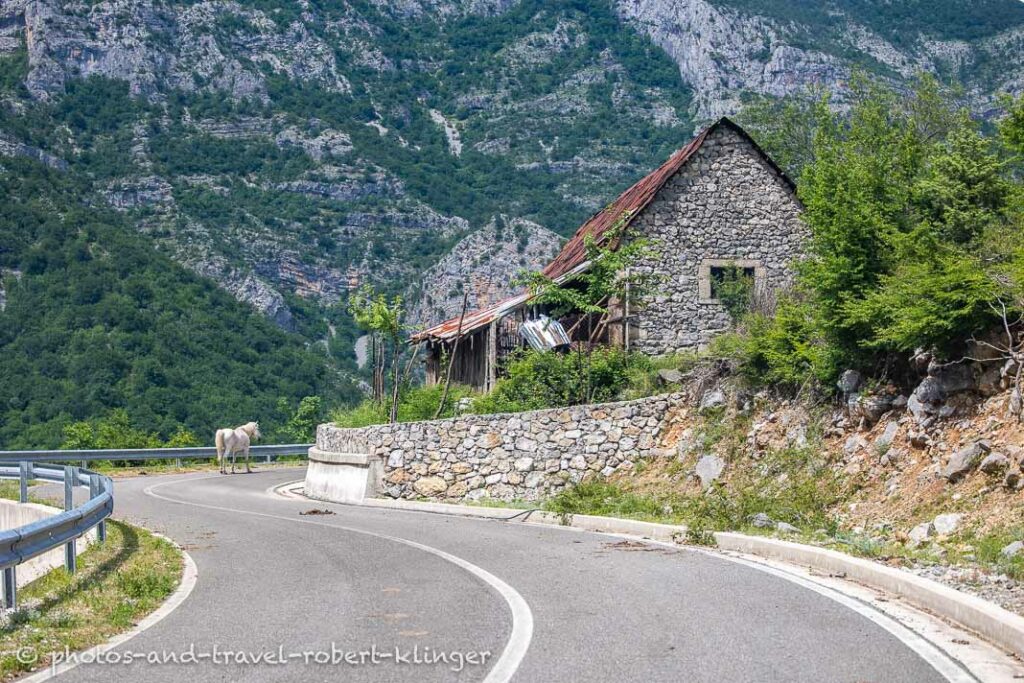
(292, 150)
(484, 265)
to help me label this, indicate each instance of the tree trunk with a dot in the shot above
(394, 390)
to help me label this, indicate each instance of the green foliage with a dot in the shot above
(735, 291)
(1012, 127)
(539, 379)
(374, 312)
(301, 426)
(417, 404)
(785, 127)
(98, 320)
(609, 275)
(597, 497)
(910, 208)
(113, 431)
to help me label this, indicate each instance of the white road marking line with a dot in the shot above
(189, 576)
(522, 618)
(933, 655)
(948, 667)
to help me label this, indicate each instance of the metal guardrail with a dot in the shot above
(28, 541)
(177, 454)
(31, 540)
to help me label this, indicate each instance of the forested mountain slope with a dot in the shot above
(94, 319)
(289, 151)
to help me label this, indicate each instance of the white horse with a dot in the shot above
(234, 440)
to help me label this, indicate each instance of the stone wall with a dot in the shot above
(726, 205)
(525, 455)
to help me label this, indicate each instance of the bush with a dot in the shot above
(538, 379)
(416, 404)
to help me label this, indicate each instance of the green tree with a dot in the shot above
(301, 426)
(382, 318)
(610, 278)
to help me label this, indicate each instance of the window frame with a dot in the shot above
(704, 279)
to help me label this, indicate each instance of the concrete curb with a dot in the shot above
(993, 623)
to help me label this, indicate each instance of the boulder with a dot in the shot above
(712, 400)
(670, 377)
(994, 463)
(849, 381)
(709, 469)
(947, 524)
(762, 521)
(1015, 454)
(853, 444)
(963, 461)
(1011, 480)
(930, 392)
(1013, 549)
(919, 440)
(921, 533)
(953, 378)
(785, 528)
(872, 408)
(990, 381)
(885, 439)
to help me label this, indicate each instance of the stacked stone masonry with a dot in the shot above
(726, 205)
(506, 457)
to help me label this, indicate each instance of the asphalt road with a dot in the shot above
(274, 581)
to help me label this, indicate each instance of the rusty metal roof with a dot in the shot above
(624, 210)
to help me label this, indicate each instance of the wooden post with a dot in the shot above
(451, 360)
(625, 316)
(492, 356)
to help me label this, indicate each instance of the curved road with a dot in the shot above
(272, 580)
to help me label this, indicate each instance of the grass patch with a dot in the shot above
(117, 584)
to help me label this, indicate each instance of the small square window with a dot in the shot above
(728, 276)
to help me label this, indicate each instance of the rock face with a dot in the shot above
(723, 50)
(526, 455)
(484, 264)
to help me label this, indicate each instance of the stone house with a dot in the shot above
(719, 206)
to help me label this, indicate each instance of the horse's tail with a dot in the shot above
(219, 440)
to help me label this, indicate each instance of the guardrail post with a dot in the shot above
(70, 559)
(95, 487)
(177, 463)
(24, 475)
(10, 587)
(268, 458)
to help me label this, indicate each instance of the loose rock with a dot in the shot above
(709, 469)
(994, 463)
(1013, 549)
(963, 462)
(947, 524)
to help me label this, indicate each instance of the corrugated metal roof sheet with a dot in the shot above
(626, 207)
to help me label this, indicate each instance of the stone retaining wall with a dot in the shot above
(522, 455)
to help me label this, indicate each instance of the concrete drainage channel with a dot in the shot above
(940, 623)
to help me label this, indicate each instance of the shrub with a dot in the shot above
(417, 404)
(538, 379)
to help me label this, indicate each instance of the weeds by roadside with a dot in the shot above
(117, 584)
